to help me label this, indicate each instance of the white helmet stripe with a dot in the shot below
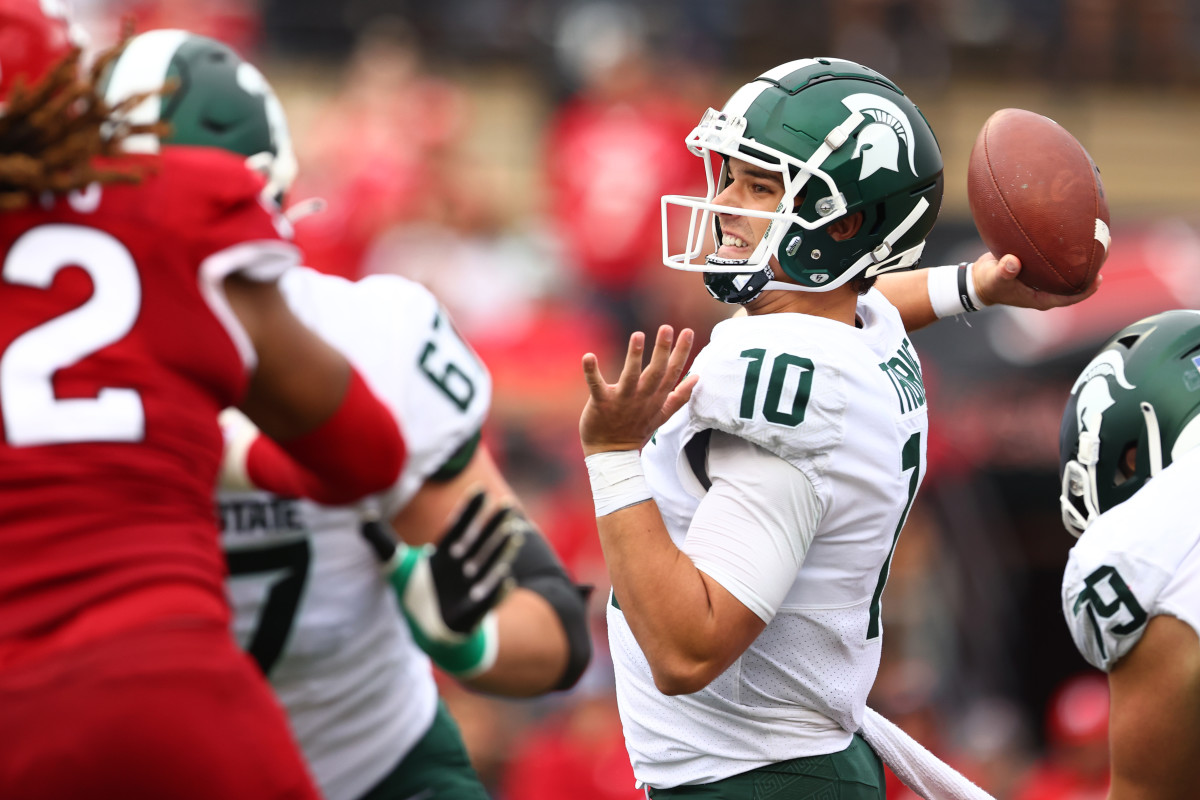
(143, 68)
(744, 97)
(783, 70)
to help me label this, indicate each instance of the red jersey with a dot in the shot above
(117, 351)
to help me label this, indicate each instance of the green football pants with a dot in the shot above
(856, 773)
(437, 768)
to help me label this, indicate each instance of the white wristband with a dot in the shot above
(952, 290)
(239, 433)
(617, 480)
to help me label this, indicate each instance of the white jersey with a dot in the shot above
(307, 591)
(1135, 561)
(846, 407)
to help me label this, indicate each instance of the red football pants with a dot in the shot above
(172, 710)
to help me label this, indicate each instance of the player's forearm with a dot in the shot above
(533, 649)
(666, 600)
(909, 293)
(357, 451)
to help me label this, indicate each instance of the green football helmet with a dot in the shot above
(1142, 389)
(845, 139)
(220, 101)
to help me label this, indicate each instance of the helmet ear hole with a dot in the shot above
(844, 228)
(1126, 464)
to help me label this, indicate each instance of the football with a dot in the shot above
(1035, 192)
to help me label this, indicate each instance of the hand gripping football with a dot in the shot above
(1036, 193)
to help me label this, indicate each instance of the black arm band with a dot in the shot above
(964, 294)
(538, 569)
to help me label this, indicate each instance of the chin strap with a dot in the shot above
(305, 208)
(882, 254)
(1153, 439)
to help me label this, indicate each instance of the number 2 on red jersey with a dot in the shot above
(33, 415)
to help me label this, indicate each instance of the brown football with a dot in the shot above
(1036, 193)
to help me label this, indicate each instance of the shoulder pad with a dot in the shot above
(790, 403)
(1107, 599)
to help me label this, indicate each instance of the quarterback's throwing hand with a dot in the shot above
(996, 283)
(623, 415)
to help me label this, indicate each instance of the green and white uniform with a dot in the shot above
(308, 594)
(1135, 561)
(786, 478)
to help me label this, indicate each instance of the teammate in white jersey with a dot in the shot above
(1131, 590)
(311, 599)
(745, 615)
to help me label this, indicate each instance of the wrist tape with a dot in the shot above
(952, 290)
(617, 480)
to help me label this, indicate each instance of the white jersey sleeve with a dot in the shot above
(408, 350)
(774, 510)
(1105, 596)
(1137, 560)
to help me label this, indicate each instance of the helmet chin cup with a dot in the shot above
(737, 288)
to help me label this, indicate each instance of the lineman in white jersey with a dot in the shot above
(744, 620)
(1131, 589)
(312, 600)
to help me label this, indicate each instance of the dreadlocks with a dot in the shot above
(50, 133)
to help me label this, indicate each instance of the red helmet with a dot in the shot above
(34, 36)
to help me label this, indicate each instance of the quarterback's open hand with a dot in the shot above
(996, 284)
(623, 415)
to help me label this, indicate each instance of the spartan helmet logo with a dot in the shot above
(879, 143)
(1095, 395)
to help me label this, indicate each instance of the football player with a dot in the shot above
(140, 298)
(750, 541)
(313, 603)
(1131, 590)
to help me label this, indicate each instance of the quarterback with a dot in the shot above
(1131, 589)
(312, 600)
(750, 541)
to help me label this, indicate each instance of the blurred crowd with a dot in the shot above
(532, 211)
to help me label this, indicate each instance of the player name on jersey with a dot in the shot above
(905, 375)
(260, 515)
